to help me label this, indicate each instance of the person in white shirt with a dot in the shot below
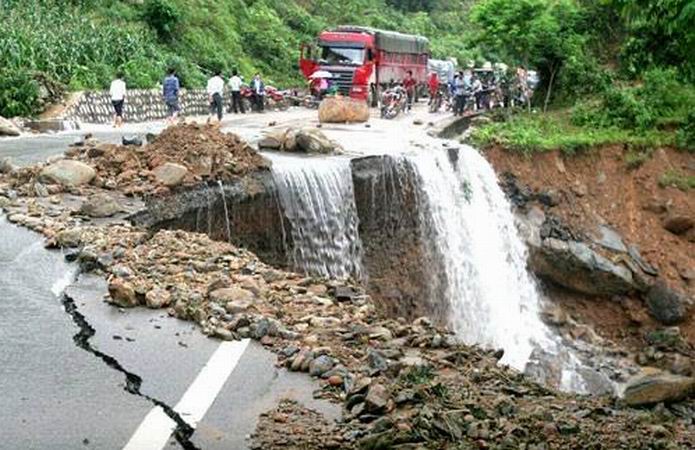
(215, 90)
(117, 92)
(235, 86)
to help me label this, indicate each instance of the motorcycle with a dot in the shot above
(393, 102)
(273, 98)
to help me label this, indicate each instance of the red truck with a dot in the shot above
(363, 61)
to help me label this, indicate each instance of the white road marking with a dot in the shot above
(154, 432)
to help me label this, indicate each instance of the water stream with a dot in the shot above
(493, 300)
(226, 211)
(317, 198)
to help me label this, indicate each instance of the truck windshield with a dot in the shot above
(342, 55)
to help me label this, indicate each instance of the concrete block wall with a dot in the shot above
(141, 105)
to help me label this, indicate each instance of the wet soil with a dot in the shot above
(600, 188)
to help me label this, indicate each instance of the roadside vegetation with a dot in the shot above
(612, 72)
(81, 44)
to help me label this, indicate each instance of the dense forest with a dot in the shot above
(621, 64)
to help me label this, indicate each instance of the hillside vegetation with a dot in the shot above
(622, 66)
(82, 43)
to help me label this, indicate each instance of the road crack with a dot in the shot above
(183, 430)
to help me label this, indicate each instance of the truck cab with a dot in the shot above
(363, 60)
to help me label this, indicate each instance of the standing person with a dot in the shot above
(170, 92)
(117, 92)
(409, 86)
(215, 90)
(477, 91)
(258, 89)
(235, 86)
(459, 94)
(433, 86)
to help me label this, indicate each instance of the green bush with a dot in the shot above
(162, 16)
(685, 136)
(19, 94)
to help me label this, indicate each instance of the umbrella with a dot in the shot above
(321, 74)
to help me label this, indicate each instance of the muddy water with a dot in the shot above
(317, 198)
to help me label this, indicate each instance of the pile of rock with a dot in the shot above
(400, 382)
(302, 140)
(182, 154)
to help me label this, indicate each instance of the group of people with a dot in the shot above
(482, 89)
(215, 88)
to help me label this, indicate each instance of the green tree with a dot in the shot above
(660, 32)
(534, 33)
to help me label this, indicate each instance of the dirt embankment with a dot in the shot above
(600, 188)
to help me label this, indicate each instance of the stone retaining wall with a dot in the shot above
(141, 105)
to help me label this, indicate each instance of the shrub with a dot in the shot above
(162, 16)
(685, 136)
(19, 94)
(678, 180)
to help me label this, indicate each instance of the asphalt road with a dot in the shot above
(103, 393)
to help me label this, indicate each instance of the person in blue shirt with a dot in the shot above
(170, 91)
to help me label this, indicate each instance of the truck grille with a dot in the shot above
(342, 78)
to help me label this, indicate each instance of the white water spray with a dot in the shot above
(317, 197)
(493, 301)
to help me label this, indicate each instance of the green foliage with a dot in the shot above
(546, 35)
(660, 100)
(685, 136)
(19, 93)
(678, 180)
(531, 133)
(659, 32)
(163, 16)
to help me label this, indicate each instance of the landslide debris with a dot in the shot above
(401, 383)
(181, 154)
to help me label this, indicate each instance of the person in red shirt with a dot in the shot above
(409, 86)
(433, 85)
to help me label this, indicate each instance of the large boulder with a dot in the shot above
(67, 172)
(305, 140)
(100, 205)
(313, 141)
(343, 110)
(654, 386)
(666, 305)
(574, 265)
(7, 128)
(170, 174)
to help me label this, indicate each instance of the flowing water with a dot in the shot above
(493, 300)
(317, 198)
(226, 211)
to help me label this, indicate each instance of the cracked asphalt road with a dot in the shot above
(58, 393)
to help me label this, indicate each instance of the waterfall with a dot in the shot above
(468, 222)
(317, 198)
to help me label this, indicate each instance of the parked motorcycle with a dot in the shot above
(393, 102)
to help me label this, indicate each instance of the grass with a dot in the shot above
(529, 133)
(678, 180)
